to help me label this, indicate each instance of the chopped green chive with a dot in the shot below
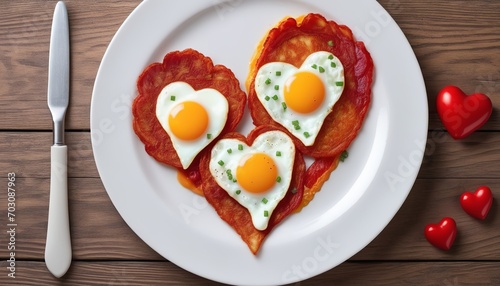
(278, 73)
(209, 136)
(284, 106)
(240, 147)
(172, 98)
(294, 190)
(276, 87)
(221, 163)
(267, 98)
(268, 81)
(307, 135)
(330, 43)
(321, 69)
(339, 83)
(275, 97)
(278, 179)
(296, 124)
(264, 201)
(278, 153)
(333, 65)
(330, 57)
(234, 181)
(238, 192)
(314, 66)
(344, 156)
(266, 213)
(229, 151)
(229, 175)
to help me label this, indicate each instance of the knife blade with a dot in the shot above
(58, 242)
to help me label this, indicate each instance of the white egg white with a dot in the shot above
(214, 103)
(227, 154)
(270, 85)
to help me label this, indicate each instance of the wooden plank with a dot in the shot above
(93, 23)
(166, 273)
(429, 201)
(98, 231)
(476, 156)
(28, 154)
(453, 47)
(24, 57)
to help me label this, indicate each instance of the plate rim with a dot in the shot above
(96, 126)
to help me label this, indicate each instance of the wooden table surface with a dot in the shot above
(456, 42)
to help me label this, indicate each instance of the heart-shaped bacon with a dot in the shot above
(236, 215)
(292, 41)
(462, 114)
(442, 235)
(477, 204)
(202, 74)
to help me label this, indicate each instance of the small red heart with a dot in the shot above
(462, 114)
(477, 204)
(442, 235)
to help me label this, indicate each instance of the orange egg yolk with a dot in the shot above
(257, 173)
(304, 92)
(188, 120)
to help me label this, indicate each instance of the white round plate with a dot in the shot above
(355, 204)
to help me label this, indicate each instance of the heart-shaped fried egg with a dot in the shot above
(190, 119)
(300, 98)
(256, 176)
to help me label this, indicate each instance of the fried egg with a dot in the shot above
(191, 118)
(256, 176)
(300, 98)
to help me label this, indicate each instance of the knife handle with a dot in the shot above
(58, 244)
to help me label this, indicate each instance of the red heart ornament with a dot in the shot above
(442, 235)
(477, 204)
(462, 114)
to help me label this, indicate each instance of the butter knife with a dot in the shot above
(58, 244)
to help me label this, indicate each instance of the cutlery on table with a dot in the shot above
(58, 244)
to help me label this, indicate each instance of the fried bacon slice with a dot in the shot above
(292, 41)
(236, 215)
(195, 69)
(316, 175)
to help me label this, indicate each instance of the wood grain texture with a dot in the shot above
(25, 26)
(463, 54)
(455, 42)
(349, 273)
(454, 46)
(478, 156)
(28, 154)
(99, 233)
